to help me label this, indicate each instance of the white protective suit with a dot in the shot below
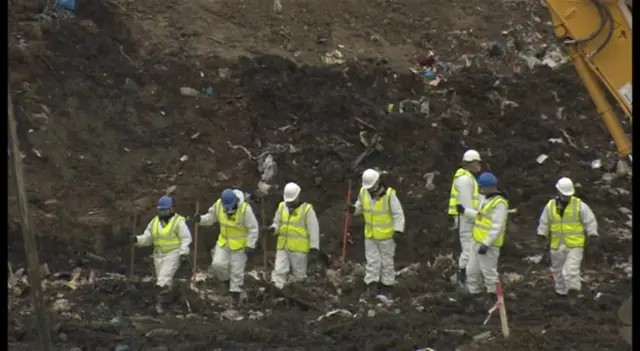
(484, 268)
(166, 264)
(465, 184)
(229, 265)
(290, 261)
(380, 254)
(566, 261)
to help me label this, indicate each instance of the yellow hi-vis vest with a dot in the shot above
(453, 199)
(378, 221)
(232, 229)
(567, 228)
(483, 222)
(293, 234)
(167, 239)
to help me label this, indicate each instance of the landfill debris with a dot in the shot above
(385, 300)
(160, 332)
(184, 158)
(512, 277)
(482, 336)
(122, 347)
(232, 315)
(540, 159)
(339, 312)
(495, 49)
(596, 164)
(186, 91)
(334, 57)
(426, 349)
(61, 305)
(535, 259)
(428, 177)
(277, 6)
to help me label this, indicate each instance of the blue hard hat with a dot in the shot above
(165, 202)
(228, 198)
(487, 179)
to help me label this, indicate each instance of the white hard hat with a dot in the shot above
(239, 195)
(565, 186)
(291, 192)
(369, 178)
(470, 156)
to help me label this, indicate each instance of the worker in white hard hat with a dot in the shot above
(489, 228)
(236, 241)
(465, 192)
(383, 225)
(563, 223)
(296, 225)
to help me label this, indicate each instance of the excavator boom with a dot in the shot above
(597, 35)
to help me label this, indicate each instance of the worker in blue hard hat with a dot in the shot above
(170, 237)
(488, 236)
(237, 239)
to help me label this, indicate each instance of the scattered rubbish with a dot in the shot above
(232, 315)
(339, 312)
(334, 57)
(596, 164)
(207, 91)
(61, 305)
(427, 60)
(160, 332)
(556, 140)
(426, 349)
(66, 4)
(186, 91)
(428, 177)
(483, 336)
(277, 6)
(371, 313)
(184, 158)
(495, 49)
(541, 159)
(385, 300)
(117, 320)
(122, 347)
(512, 277)
(535, 259)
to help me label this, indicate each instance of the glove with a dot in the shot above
(351, 208)
(133, 239)
(482, 249)
(546, 259)
(460, 209)
(184, 257)
(249, 252)
(195, 219)
(270, 230)
(397, 235)
(314, 253)
(593, 245)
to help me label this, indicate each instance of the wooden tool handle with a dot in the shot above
(504, 323)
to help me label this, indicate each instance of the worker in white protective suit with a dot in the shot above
(465, 191)
(383, 225)
(236, 241)
(563, 223)
(170, 237)
(296, 225)
(488, 233)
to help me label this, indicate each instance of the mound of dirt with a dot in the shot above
(105, 129)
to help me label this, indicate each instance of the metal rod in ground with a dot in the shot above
(30, 245)
(132, 258)
(194, 266)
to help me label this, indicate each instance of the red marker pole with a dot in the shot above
(504, 324)
(347, 215)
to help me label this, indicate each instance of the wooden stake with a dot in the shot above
(132, 258)
(195, 239)
(30, 245)
(504, 324)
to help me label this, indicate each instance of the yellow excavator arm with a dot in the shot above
(597, 35)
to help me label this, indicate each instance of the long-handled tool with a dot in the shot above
(374, 141)
(347, 216)
(133, 247)
(194, 266)
(263, 219)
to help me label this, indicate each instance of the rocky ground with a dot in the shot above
(120, 99)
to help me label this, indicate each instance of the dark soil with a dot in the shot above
(111, 126)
